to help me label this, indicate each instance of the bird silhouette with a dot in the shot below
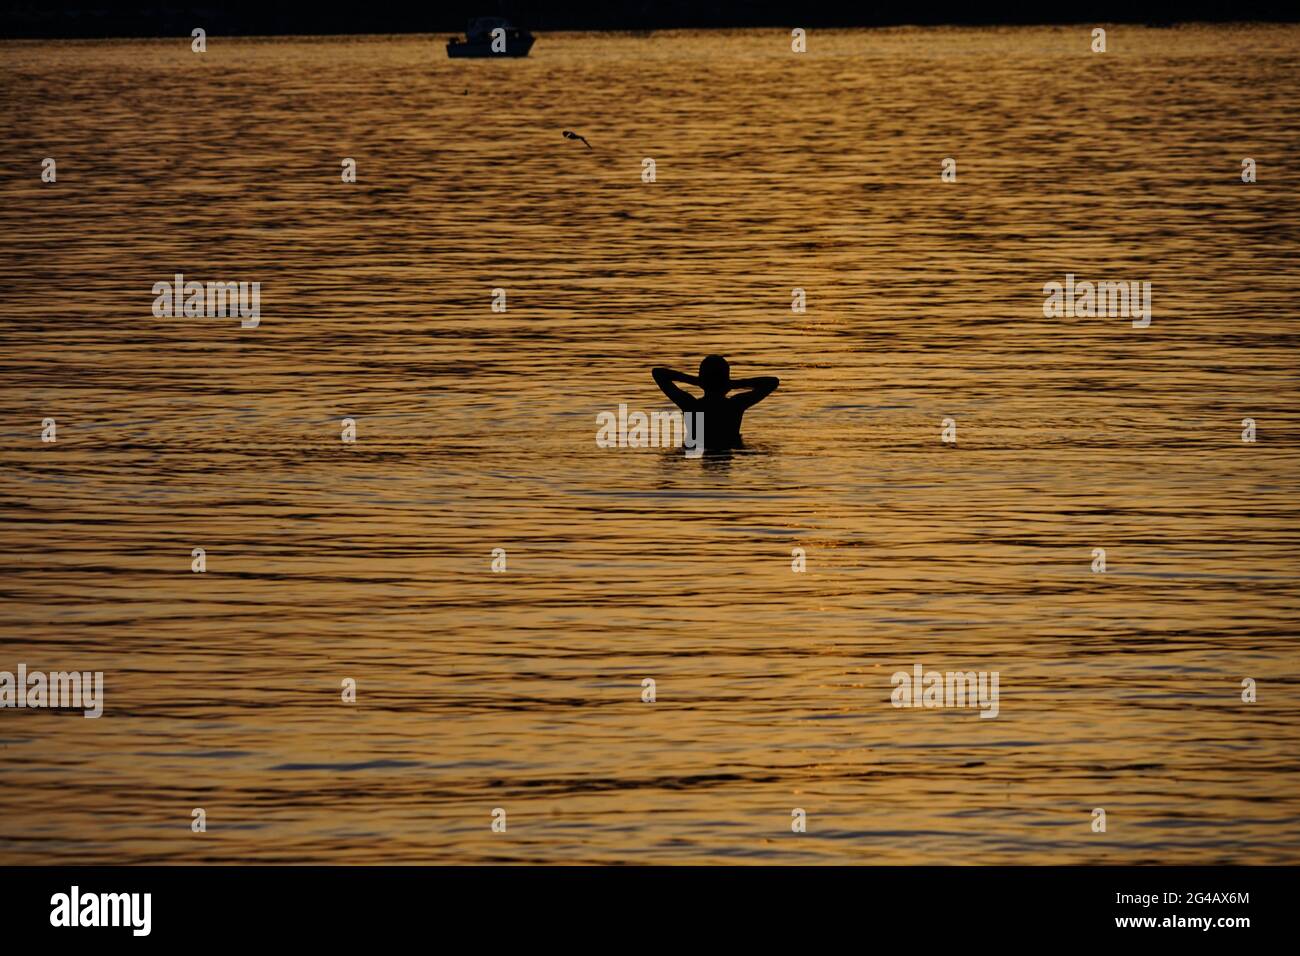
(570, 134)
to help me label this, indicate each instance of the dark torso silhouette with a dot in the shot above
(722, 417)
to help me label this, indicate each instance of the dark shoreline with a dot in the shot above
(31, 20)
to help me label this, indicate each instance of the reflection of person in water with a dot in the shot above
(722, 414)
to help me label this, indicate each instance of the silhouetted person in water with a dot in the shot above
(722, 414)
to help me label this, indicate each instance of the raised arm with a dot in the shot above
(665, 379)
(759, 389)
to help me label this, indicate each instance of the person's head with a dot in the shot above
(715, 374)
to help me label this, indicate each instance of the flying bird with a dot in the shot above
(570, 134)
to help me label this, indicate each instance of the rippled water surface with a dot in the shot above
(475, 430)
